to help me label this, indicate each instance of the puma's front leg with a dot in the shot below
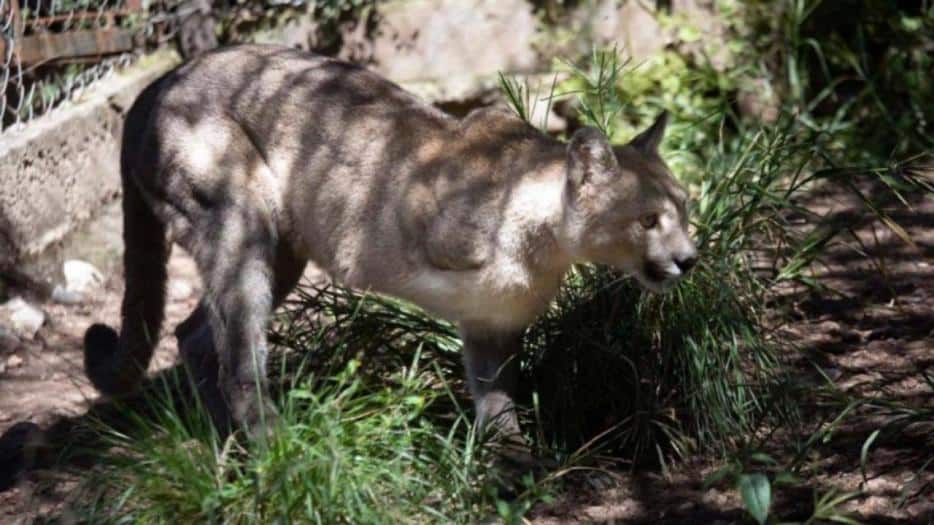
(238, 318)
(236, 254)
(491, 358)
(197, 350)
(197, 344)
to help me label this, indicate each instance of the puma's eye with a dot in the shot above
(649, 221)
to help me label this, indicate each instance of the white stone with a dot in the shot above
(25, 319)
(633, 27)
(14, 361)
(81, 276)
(63, 295)
(179, 289)
(446, 40)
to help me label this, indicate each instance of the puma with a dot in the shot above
(257, 159)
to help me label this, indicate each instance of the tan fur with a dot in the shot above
(260, 158)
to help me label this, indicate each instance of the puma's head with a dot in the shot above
(622, 207)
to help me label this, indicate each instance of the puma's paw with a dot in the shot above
(254, 413)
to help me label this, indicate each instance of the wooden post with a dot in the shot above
(14, 12)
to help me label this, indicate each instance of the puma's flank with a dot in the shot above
(258, 159)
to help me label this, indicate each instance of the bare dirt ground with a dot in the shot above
(43, 380)
(872, 336)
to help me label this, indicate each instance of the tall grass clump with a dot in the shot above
(356, 443)
(698, 369)
(372, 430)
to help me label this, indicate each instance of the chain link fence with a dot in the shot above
(50, 50)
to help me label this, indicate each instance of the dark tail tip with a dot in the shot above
(102, 362)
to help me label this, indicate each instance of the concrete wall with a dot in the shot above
(59, 169)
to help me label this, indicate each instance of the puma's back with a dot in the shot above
(369, 182)
(260, 113)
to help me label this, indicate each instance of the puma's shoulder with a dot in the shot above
(461, 232)
(456, 240)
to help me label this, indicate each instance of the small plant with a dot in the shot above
(745, 473)
(599, 104)
(523, 99)
(826, 508)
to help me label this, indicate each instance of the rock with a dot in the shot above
(631, 26)
(63, 295)
(8, 341)
(81, 276)
(440, 40)
(63, 165)
(25, 319)
(179, 289)
(14, 361)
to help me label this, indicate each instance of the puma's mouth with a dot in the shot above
(654, 272)
(656, 278)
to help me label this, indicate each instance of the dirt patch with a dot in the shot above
(43, 380)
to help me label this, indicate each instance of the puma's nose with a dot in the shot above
(686, 263)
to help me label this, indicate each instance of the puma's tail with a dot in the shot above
(115, 364)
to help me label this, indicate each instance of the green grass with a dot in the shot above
(372, 431)
(346, 452)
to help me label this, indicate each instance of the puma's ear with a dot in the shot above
(647, 142)
(590, 157)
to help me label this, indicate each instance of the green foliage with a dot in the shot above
(345, 452)
(599, 105)
(757, 495)
(246, 20)
(748, 472)
(893, 420)
(693, 369)
(865, 65)
(375, 440)
(698, 368)
(524, 99)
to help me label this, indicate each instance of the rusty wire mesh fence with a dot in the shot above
(52, 49)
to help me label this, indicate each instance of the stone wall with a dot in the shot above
(59, 169)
